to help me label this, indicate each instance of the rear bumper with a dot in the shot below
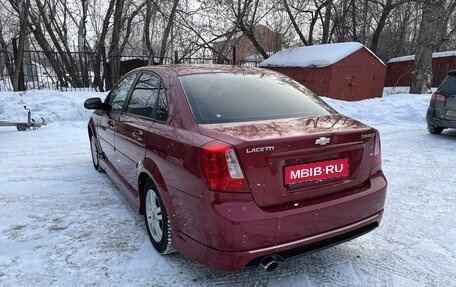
(237, 260)
(439, 122)
(232, 235)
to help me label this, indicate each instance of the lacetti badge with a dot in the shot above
(260, 149)
(322, 141)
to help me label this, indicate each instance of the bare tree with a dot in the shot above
(100, 50)
(341, 26)
(386, 8)
(22, 8)
(149, 25)
(204, 36)
(447, 29)
(114, 53)
(47, 21)
(82, 47)
(294, 22)
(401, 30)
(326, 22)
(247, 16)
(4, 55)
(241, 17)
(429, 37)
(167, 31)
(194, 28)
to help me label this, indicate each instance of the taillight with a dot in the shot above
(221, 168)
(377, 159)
(438, 97)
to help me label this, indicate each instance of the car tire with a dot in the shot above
(95, 154)
(434, 130)
(157, 220)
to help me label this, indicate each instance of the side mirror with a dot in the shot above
(93, 104)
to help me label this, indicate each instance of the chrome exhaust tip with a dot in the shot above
(269, 263)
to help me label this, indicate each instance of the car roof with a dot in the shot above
(184, 69)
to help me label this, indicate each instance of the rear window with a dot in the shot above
(227, 97)
(448, 85)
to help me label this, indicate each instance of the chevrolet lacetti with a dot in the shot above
(236, 167)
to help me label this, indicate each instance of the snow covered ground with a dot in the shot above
(64, 224)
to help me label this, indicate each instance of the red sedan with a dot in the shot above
(235, 167)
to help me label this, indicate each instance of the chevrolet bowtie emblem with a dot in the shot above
(322, 141)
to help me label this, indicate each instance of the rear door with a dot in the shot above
(133, 126)
(108, 119)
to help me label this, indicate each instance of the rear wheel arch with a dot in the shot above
(164, 194)
(148, 169)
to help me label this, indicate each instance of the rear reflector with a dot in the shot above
(377, 159)
(221, 168)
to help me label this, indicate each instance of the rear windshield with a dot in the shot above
(448, 85)
(227, 97)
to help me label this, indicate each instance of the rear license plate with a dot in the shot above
(316, 171)
(451, 113)
(450, 103)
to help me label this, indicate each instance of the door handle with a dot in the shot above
(137, 135)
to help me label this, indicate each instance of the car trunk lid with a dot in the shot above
(285, 161)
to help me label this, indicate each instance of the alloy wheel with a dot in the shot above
(154, 215)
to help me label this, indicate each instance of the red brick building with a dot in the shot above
(268, 39)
